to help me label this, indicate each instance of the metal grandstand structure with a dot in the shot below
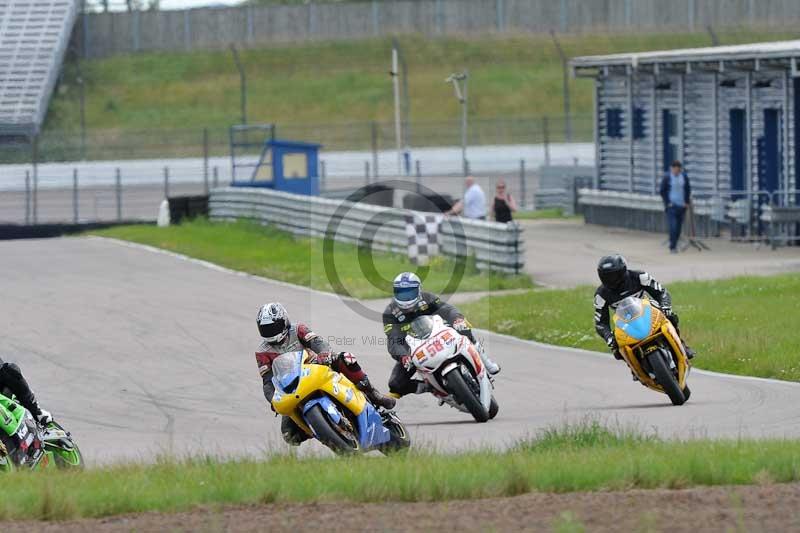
(34, 35)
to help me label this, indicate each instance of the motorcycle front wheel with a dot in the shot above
(329, 435)
(457, 386)
(665, 377)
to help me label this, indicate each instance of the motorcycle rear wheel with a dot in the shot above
(665, 378)
(457, 386)
(400, 440)
(327, 434)
(493, 409)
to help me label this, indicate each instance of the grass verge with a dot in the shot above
(510, 76)
(586, 457)
(279, 255)
(543, 214)
(745, 325)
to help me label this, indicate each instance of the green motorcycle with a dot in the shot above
(24, 444)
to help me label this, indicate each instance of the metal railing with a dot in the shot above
(752, 216)
(494, 246)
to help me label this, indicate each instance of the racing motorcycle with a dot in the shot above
(651, 347)
(452, 366)
(25, 444)
(329, 407)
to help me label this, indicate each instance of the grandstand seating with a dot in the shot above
(34, 35)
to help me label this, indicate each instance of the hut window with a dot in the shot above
(638, 123)
(614, 123)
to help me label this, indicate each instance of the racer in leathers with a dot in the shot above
(13, 382)
(617, 284)
(409, 302)
(281, 336)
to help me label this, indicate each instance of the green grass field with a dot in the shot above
(742, 326)
(585, 457)
(343, 82)
(279, 255)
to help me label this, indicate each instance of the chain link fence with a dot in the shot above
(105, 176)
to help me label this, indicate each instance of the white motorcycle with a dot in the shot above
(451, 364)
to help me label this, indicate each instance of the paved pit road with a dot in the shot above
(141, 352)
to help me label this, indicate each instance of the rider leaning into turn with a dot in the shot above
(409, 302)
(13, 382)
(281, 336)
(617, 284)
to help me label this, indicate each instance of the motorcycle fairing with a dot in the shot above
(371, 431)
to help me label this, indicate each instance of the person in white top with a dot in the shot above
(473, 205)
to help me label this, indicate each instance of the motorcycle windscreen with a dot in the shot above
(286, 371)
(634, 317)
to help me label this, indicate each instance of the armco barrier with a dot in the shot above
(495, 246)
(639, 211)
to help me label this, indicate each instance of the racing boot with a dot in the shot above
(490, 365)
(689, 352)
(293, 435)
(375, 397)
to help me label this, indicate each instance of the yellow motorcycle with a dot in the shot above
(329, 407)
(650, 345)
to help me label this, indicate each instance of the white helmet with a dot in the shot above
(407, 289)
(273, 322)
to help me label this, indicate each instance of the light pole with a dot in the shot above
(459, 81)
(398, 128)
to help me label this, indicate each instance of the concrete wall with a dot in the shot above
(106, 34)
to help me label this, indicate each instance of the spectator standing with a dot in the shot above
(676, 191)
(473, 205)
(504, 203)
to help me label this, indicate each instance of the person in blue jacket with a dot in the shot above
(676, 191)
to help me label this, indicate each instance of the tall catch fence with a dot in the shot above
(104, 34)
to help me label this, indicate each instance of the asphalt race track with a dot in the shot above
(140, 353)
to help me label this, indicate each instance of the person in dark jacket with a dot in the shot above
(13, 382)
(676, 191)
(409, 302)
(617, 282)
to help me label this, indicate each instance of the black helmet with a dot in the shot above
(612, 270)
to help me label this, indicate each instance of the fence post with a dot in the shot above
(321, 175)
(438, 16)
(376, 19)
(85, 32)
(374, 135)
(216, 177)
(75, 195)
(118, 188)
(546, 133)
(27, 197)
(466, 167)
(36, 179)
(166, 182)
(501, 16)
(187, 30)
(205, 160)
(418, 174)
(366, 172)
(522, 192)
(250, 24)
(135, 30)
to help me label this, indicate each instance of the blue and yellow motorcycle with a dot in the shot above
(329, 407)
(650, 345)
